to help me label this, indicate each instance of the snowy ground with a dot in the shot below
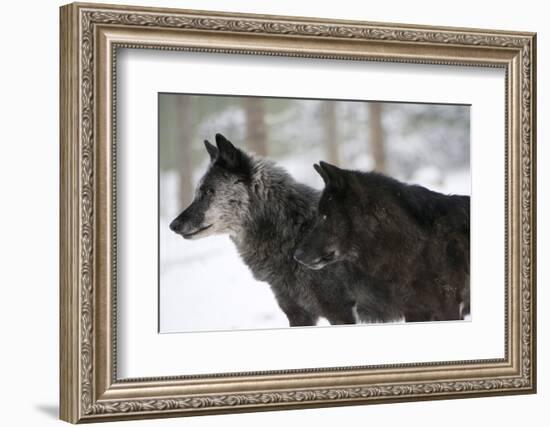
(205, 286)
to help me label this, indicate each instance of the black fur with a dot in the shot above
(412, 242)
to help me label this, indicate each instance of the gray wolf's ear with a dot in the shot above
(212, 150)
(227, 152)
(332, 175)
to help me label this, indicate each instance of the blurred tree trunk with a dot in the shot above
(183, 136)
(331, 131)
(256, 130)
(376, 136)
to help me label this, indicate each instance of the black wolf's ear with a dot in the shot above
(332, 175)
(212, 150)
(321, 172)
(229, 156)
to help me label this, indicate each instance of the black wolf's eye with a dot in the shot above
(323, 217)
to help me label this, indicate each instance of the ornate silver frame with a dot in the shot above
(90, 36)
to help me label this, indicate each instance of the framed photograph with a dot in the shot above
(266, 212)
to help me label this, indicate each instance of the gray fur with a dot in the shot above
(267, 213)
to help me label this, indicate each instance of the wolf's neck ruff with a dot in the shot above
(279, 207)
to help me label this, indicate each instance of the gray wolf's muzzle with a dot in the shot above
(189, 223)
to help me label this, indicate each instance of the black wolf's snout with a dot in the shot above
(309, 257)
(314, 257)
(306, 255)
(299, 254)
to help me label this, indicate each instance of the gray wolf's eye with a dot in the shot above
(209, 191)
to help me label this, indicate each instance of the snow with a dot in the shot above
(207, 287)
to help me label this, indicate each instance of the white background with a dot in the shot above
(29, 216)
(145, 353)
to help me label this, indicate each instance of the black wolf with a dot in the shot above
(266, 214)
(413, 242)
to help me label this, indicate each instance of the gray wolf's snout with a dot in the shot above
(175, 225)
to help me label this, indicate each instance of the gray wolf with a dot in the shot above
(266, 213)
